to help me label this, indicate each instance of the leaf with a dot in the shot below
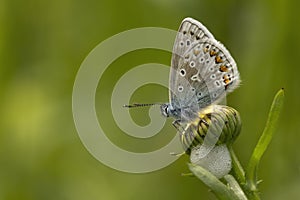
(264, 140)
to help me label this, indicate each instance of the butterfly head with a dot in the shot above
(167, 110)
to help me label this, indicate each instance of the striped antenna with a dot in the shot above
(140, 105)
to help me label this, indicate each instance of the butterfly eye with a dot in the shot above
(166, 111)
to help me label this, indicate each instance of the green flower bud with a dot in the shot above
(217, 124)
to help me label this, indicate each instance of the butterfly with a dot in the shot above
(202, 73)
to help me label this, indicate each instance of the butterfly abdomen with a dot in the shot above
(217, 123)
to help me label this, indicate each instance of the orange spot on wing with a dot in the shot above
(223, 68)
(226, 81)
(218, 59)
(212, 53)
(227, 85)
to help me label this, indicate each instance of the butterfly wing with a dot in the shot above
(215, 72)
(190, 32)
(202, 69)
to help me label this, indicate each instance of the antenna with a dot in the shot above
(140, 105)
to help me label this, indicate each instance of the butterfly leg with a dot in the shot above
(178, 126)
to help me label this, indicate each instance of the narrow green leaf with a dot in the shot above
(217, 187)
(264, 140)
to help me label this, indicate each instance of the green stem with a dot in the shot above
(237, 169)
(251, 182)
(239, 175)
(235, 187)
(253, 196)
(217, 187)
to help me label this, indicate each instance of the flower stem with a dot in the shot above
(221, 190)
(237, 169)
(235, 187)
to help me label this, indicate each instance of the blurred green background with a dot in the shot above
(42, 44)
